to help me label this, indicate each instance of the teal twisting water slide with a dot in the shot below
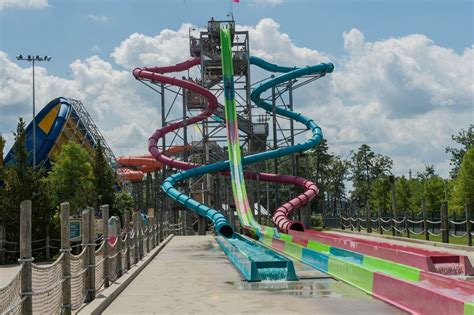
(235, 162)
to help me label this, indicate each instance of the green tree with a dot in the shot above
(103, 179)
(23, 182)
(2, 147)
(2, 187)
(380, 193)
(320, 160)
(123, 202)
(403, 193)
(465, 138)
(71, 178)
(463, 190)
(433, 189)
(337, 174)
(365, 167)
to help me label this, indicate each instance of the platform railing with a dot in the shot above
(442, 228)
(64, 285)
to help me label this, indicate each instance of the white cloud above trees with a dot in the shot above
(403, 96)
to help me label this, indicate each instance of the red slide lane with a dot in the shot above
(428, 260)
(155, 75)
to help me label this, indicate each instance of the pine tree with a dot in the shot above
(366, 166)
(337, 174)
(23, 182)
(320, 162)
(2, 147)
(103, 179)
(2, 187)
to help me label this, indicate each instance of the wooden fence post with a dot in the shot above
(66, 263)
(467, 210)
(368, 217)
(126, 226)
(358, 220)
(2, 244)
(350, 219)
(118, 247)
(85, 244)
(140, 235)
(89, 242)
(392, 223)
(425, 223)
(92, 251)
(151, 226)
(341, 221)
(25, 257)
(48, 252)
(105, 233)
(407, 227)
(137, 241)
(379, 219)
(444, 223)
(455, 225)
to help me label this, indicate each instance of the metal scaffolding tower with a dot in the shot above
(179, 104)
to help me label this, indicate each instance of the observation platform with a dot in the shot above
(193, 275)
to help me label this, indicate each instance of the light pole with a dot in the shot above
(32, 59)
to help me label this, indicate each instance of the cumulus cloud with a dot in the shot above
(23, 4)
(403, 96)
(98, 18)
(166, 48)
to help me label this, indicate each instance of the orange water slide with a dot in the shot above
(134, 168)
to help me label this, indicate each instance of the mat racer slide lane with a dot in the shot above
(409, 288)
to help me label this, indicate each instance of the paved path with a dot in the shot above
(7, 273)
(193, 276)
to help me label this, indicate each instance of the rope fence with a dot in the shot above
(406, 226)
(64, 285)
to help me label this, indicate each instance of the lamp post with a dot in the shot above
(32, 59)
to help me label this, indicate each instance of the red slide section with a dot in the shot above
(428, 260)
(155, 75)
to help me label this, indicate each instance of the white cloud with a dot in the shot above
(262, 3)
(166, 48)
(98, 18)
(402, 96)
(23, 4)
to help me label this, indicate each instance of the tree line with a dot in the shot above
(372, 183)
(74, 177)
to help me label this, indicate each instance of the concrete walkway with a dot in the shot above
(193, 276)
(7, 273)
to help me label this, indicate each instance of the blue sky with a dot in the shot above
(403, 79)
(67, 31)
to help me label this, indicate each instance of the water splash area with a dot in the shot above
(404, 286)
(255, 262)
